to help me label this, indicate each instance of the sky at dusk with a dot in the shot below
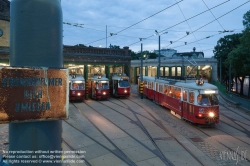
(182, 24)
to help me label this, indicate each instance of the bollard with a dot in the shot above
(141, 89)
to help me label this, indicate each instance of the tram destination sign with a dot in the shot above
(33, 94)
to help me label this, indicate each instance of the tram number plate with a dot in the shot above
(28, 94)
(201, 110)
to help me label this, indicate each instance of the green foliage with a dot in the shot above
(80, 45)
(145, 54)
(235, 50)
(246, 20)
(114, 47)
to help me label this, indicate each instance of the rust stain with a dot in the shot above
(25, 102)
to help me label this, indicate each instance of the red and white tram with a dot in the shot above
(120, 86)
(76, 87)
(192, 100)
(99, 87)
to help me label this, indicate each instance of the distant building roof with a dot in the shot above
(189, 55)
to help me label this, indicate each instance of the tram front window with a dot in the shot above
(77, 86)
(123, 83)
(207, 99)
(102, 85)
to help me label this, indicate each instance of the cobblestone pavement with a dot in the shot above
(4, 135)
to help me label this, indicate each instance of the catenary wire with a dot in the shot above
(182, 22)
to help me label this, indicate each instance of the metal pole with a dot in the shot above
(141, 70)
(36, 41)
(220, 70)
(106, 35)
(159, 59)
(229, 86)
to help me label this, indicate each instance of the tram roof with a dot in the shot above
(76, 78)
(189, 84)
(120, 76)
(99, 78)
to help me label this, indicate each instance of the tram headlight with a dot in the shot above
(78, 94)
(104, 93)
(125, 91)
(211, 114)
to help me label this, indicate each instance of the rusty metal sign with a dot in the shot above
(31, 94)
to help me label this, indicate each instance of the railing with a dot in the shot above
(243, 102)
(236, 99)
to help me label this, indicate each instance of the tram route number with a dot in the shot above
(28, 94)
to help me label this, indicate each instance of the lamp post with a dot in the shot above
(220, 71)
(229, 82)
(159, 55)
(141, 73)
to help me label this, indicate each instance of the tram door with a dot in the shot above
(185, 104)
(190, 108)
(115, 87)
(93, 87)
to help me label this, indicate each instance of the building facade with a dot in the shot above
(4, 23)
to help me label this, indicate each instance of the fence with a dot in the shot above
(232, 97)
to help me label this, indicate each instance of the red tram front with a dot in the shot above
(76, 88)
(195, 102)
(120, 86)
(99, 87)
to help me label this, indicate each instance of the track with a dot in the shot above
(152, 119)
(158, 153)
(117, 152)
(199, 142)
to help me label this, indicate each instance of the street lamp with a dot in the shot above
(159, 59)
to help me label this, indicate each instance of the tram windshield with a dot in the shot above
(123, 83)
(102, 85)
(207, 99)
(77, 86)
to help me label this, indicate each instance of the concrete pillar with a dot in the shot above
(36, 41)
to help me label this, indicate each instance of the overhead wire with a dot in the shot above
(181, 22)
(213, 15)
(137, 22)
(187, 24)
(149, 16)
(212, 21)
(198, 40)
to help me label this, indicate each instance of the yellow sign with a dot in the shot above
(28, 94)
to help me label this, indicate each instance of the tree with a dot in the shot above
(239, 57)
(146, 53)
(221, 51)
(114, 47)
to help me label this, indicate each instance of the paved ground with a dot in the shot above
(136, 131)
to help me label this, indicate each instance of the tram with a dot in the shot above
(193, 100)
(120, 86)
(76, 87)
(99, 87)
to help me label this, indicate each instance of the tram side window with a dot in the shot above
(178, 93)
(149, 85)
(145, 84)
(161, 88)
(191, 97)
(184, 95)
(165, 89)
(169, 91)
(172, 92)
